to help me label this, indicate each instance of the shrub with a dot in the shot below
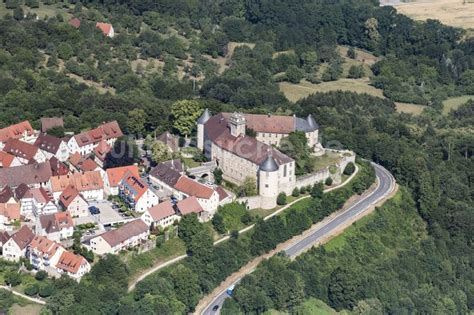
(317, 190)
(281, 199)
(328, 181)
(12, 278)
(41, 275)
(349, 169)
(296, 192)
(32, 289)
(46, 290)
(303, 190)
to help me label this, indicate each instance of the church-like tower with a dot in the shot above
(268, 183)
(200, 128)
(237, 124)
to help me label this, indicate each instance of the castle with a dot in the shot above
(223, 139)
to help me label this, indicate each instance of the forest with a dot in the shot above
(167, 51)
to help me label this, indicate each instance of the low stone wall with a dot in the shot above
(321, 175)
(252, 202)
(313, 178)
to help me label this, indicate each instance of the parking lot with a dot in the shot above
(107, 216)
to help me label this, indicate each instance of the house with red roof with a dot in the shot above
(56, 226)
(44, 253)
(50, 256)
(113, 177)
(25, 152)
(89, 184)
(74, 22)
(163, 214)
(106, 29)
(129, 235)
(22, 131)
(15, 247)
(35, 201)
(72, 201)
(75, 266)
(167, 176)
(79, 163)
(8, 160)
(136, 193)
(85, 142)
(100, 152)
(9, 212)
(52, 146)
(191, 205)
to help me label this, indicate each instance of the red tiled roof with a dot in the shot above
(116, 174)
(123, 233)
(6, 194)
(41, 195)
(45, 245)
(249, 148)
(20, 149)
(58, 168)
(6, 159)
(51, 122)
(90, 180)
(70, 262)
(161, 210)
(136, 183)
(104, 27)
(75, 22)
(105, 131)
(56, 221)
(25, 174)
(16, 131)
(222, 193)
(189, 205)
(23, 236)
(48, 143)
(68, 196)
(10, 210)
(101, 150)
(193, 188)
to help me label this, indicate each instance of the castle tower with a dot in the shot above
(200, 128)
(268, 183)
(237, 124)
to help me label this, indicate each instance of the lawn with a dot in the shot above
(139, 262)
(327, 159)
(455, 102)
(42, 11)
(408, 108)
(294, 92)
(451, 12)
(309, 306)
(27, 309)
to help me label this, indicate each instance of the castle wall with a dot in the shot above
(235, 169)
(253, 202)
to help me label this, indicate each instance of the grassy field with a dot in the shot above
(408, 108)
(450, 12)
(139, 262)
(455, 102)
(42, 11)
(295, 92)
(309, 306)
(327, 159)
(29, 309)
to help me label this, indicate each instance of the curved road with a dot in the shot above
(385, 185)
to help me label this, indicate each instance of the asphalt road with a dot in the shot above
(386, 184)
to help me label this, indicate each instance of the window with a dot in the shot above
(284, 171)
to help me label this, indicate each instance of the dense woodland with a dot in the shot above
(48, 68)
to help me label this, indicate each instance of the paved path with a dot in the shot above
(385, 186)
(225, 238)
(23, 295)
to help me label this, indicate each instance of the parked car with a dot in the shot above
(94, 210)
(115, 206)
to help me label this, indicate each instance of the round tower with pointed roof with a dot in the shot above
(200, 128)
(268, 182)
